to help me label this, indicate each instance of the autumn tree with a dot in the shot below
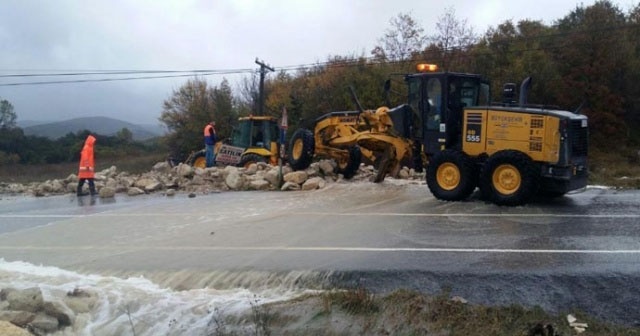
(453, 38)
(632, 92)
(404, 38)
(190, 108)
(7, 115)
(593, 63)
(510, 52)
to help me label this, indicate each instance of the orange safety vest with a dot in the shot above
(87, 164)
(209, 135)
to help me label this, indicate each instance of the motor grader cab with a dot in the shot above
(254, 139)
(510, 150)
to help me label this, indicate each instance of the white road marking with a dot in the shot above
(346, 214)
(472, 215)
(41, 216)
(125, 249)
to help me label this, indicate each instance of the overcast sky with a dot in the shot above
(76, 35)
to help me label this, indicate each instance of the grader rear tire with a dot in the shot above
(301, 149)
(509, 178)
(451, 175)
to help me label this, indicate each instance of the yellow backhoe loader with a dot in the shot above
(253, 140)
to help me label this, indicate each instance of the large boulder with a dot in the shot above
(8, 329)
(63, 314)
(327, 167)
(44, 324)
(107, 192)
(154, 186)
(259, 185)
(20, 318)
(297, 177)
(272, 177)
(287, 186)
(184, 170)
(134, 191)
(143, 182)
(252, 169)
(80, 301)
(235, 180)
(29, 299)
(314, 183)
(162, 167)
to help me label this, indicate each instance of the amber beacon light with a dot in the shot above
(426, 67)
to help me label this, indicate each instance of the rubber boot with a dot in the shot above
(79, 191)
(92, 188)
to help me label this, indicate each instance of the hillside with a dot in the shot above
(98, 125)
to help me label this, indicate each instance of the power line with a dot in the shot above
(103, 79)
(361, 61)
(119, 72)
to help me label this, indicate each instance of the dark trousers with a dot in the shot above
(92, 186)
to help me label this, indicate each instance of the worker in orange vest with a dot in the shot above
(209, 143)
(87, 166)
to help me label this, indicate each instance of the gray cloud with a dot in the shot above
(193, 34)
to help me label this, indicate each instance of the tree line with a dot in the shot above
(590, 58)
(18, 148)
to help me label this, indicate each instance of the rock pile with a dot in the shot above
(42, 314)
(169, 180)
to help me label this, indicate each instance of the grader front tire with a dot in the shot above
(451, 175)
(349, 168)
(301, 149)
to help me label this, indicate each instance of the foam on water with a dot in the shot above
(125, 305)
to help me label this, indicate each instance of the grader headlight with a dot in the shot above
(426, 67)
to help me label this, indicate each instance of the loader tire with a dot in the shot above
(349, 168)
(250, 158)
(301, 149)
(199, 160)
(509, 178)
(451, 175)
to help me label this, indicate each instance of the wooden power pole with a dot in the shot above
(263, 71)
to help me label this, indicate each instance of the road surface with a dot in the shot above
(578, 252)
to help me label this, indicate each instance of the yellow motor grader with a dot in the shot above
(511, 150)
(347, 136)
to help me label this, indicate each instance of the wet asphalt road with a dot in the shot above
(579, 252)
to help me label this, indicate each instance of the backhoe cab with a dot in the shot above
(253, 140)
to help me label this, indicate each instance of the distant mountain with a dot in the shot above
(98, 125)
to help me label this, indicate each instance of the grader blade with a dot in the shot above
(389, 164)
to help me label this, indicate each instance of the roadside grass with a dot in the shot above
(618, 168)
(38, 173)
(404, 312)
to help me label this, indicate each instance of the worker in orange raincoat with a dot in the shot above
(87, 166)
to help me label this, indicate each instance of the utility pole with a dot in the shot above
(263, 71)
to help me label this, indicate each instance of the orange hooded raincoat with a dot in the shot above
(87, 164)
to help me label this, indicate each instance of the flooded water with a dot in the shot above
(161, 266)
(136, 305)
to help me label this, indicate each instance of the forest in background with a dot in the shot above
(589, 58)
